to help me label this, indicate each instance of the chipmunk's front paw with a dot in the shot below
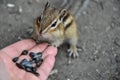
(72, 53)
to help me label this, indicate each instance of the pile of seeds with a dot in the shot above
(29, 65)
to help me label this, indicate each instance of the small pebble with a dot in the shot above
(84, 13)
(117, 42)
(10, 5)
(20, 9)
(19, 38)
(115, 9)
(117, 58)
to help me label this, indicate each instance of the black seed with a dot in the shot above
(34, 69)
(19, 66)
(38, 64)
(36, 60)
(25, 52)
(32, 54)
(40, 54)
(37, 74)
(32, 61)
(28, 69)
(24, 61)
(41, 60)
(15, 59)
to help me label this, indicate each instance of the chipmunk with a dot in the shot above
(57, 26)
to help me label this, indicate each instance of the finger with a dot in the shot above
(39, 48)
(3, 71)
(16, 48)
(46, 67)
(50, 51)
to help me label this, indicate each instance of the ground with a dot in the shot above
(99, 36)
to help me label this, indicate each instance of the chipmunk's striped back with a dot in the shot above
(67, 19)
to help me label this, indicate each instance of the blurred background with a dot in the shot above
(99, 35)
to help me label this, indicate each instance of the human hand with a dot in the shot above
(14, 50)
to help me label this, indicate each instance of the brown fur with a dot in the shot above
(64, 30)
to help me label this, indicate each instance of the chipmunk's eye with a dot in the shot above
(54, 24)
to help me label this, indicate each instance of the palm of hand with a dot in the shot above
(8, 53)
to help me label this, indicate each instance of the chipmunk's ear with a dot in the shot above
(47, 5)
(63, 12)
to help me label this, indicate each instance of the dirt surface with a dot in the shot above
(99, 36)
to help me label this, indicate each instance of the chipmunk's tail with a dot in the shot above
(83, 7)
(78, 8)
